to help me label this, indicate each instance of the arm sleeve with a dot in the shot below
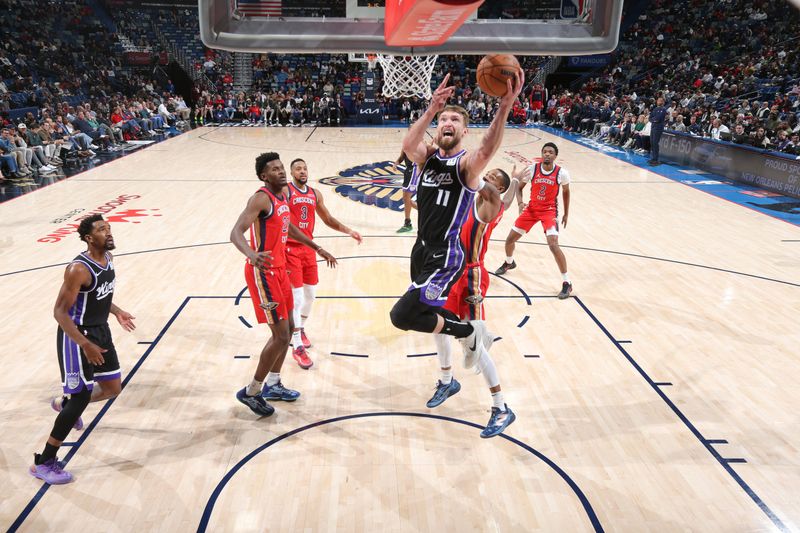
(563, 176)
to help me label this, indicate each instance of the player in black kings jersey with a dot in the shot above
(89, 365)
(449, 177)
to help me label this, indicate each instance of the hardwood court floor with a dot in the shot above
(662, 397)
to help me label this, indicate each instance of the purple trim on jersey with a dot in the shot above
(109, 377)
(461, 181)
(412, 183)
(72, 365)
(91, 271)
(442, 278)
(77, 308)
(453, 235)
(462, 211)
(445, 158)
(88, 258)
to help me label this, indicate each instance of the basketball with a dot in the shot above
(494, 70)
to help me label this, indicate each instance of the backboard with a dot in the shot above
(521, 27)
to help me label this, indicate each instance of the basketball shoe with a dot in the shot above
(566, 290)
(49, 471)
(443, 392)
(256, 403)
(279, 392)
(498, 422)
(301, 356)
(505, 268)
(306, 342)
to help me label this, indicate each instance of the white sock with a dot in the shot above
(296, 340)
(447, 376)
(297, 296)
(565, 276)
(273, 378)
(309, 294)
(498, 400)
(485, 366)
(443, 353)
(254, 388)
(509, 259)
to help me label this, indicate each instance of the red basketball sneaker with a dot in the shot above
(306, 342)
(301, 356)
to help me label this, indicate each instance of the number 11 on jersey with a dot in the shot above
(442, 197)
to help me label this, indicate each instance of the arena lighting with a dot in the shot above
(425, 22)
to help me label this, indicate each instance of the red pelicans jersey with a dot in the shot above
(545, 187)
(270, 231)
(303, 207)
(475, 235)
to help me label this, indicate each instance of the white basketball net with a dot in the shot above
(405, 76)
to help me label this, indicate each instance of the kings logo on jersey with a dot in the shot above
(378, 184)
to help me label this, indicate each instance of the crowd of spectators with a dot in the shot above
(85, 102)
(61, 133)
(625, 121)
(727, 70)
(326, 89)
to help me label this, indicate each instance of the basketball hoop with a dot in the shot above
(405, 76)
(372, 60)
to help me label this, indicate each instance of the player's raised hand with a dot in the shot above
(442, 94)
(512, 91)
(525, 175)
(262, 260)
(327, 257)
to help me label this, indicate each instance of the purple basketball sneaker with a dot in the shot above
(50, 471)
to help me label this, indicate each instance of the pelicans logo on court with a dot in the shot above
(379, 184)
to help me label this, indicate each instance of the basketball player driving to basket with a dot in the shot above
(449, 179)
